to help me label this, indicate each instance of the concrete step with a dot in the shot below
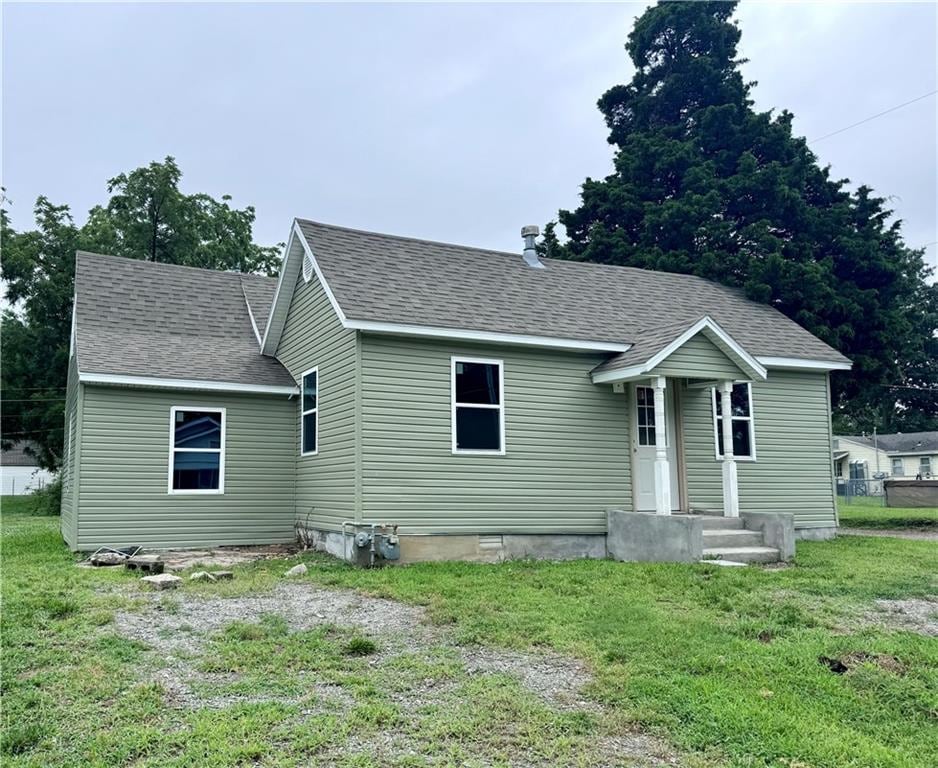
(743, 554)
(715, 522)
(714, 538)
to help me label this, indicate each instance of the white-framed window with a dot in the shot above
(897, 469)
(924, 465)
(196, 449)
(309, 413)
(645, 415)
(744, 432)
(478, 409)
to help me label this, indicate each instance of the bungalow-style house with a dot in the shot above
(907, 455)
(488, 404)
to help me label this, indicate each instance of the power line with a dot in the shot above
(873, 117)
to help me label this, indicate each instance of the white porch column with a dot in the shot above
(730, 484)
(662, 469)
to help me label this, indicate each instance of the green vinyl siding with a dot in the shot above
(124, 471)
(567, 443)
(313, 336)
(699, 358)
(793, 470)
(69, 471)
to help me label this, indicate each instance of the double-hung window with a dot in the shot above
(196, 450)
(478, 416)
(744, 441)
(309, 416)
(897, 469)
(924, 466)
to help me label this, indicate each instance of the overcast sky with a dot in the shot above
(450, 122)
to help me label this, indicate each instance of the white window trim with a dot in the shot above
(924, 461)
(303, 414)
(173, 450)
(500, 407)
(751, 418)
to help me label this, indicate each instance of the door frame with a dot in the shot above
(676, 467)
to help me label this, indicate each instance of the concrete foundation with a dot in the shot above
(476, 548)
(815, 534)
(647, 537)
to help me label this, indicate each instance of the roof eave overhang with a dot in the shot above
(804, 364)
(198, 385)
(734, 350)
(488, 337)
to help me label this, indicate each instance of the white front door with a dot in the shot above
(643, 447)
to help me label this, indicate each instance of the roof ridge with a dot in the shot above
(513, 254)
(166, 265)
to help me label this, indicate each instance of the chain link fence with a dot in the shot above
(862, 490)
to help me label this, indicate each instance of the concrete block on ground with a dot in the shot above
(162, 581)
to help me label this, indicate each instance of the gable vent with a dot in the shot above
(307, 266)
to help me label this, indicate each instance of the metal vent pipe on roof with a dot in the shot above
(530, 233)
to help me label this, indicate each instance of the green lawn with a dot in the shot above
(869, 513)
(722, 662)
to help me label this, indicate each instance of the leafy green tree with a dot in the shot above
(146, 217)
(703, 184)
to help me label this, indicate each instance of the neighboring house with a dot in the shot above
(487, 403)
(900, 456)
(19, 471)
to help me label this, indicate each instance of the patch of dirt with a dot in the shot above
(891, 533)
(179, 637)
(843, 664)
(220, 557)
(915, 615)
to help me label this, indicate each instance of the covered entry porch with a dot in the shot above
(670, 364)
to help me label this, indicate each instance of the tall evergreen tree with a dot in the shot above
(704, 184)
(146, 217)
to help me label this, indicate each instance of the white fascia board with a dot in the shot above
(620, 374)
(121, 380)
(490, 337)
(290, 272)
(325, 286)
(704, 324)
(804, 364)
(278, 295)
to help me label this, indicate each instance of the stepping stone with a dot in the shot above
(296, 570)
(162, 581)
(222, 575)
